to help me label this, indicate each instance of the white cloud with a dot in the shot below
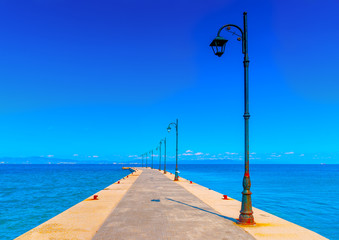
(50, 156)
(289, 152)
(231, 153)
(95, 156)
(198, 153)
(189, 151)
(75, 155)
(187, 154)
(301, 155)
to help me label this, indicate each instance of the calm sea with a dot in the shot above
(304, 194)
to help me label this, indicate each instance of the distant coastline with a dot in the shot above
(45, 160)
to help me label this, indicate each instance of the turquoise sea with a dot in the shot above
(304, 194)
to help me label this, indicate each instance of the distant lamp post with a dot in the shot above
(160, 155)
(176, 178)
(157, 148)
(146, 159)
(152, 158)
(163, 140)
(218, 46)
(165, 156)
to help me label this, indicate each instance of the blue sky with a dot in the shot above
(104, 78)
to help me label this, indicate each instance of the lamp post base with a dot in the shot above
(176, 178)
(246, 213)
(245, 219)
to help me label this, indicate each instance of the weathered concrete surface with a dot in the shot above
(268, 226)
(157, 208)
(82, 220)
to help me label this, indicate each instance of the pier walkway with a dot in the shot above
(157, 208)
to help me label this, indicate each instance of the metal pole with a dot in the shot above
(152, 159)
(246, 213)
(165, 158)
(160, 156)
(176, 178)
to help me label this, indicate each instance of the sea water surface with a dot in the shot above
(303, 194)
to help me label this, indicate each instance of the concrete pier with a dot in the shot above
(157, 208)
(150, 205)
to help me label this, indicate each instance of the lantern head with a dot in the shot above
(218, 45)
(168, 129)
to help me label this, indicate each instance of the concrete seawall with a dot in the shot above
(127, 210)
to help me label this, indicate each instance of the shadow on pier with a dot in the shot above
(201, 209)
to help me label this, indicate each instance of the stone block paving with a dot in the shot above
(156, 208)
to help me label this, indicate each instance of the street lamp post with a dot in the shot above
(160, 155)
(218, 46)
(152, 158)
(165, 156)
(176, 178)
(146, 159)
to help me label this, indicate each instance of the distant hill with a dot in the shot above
(52, 160)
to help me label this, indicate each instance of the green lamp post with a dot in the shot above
(164, 140)
(146, 159)
(218, 46)
(160, 155)
(152, 158)
(157, 148)
(176, 178)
